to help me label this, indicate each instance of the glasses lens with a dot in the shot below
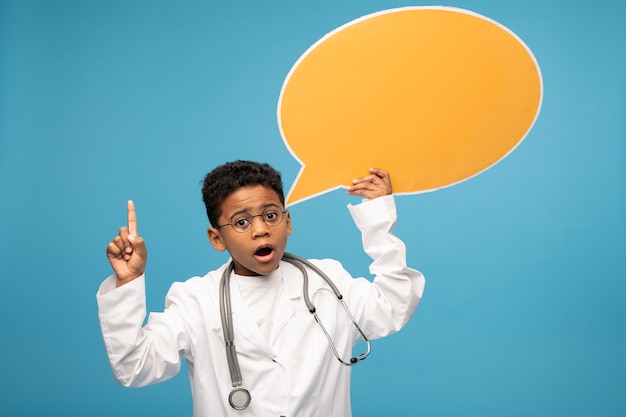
(241, 223)
(272, 217)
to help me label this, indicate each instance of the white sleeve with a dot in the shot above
(388, 303)
(139, 355)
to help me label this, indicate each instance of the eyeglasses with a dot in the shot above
(242, 222)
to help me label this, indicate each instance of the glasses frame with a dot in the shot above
(272, 208)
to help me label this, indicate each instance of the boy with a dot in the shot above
(287, 363)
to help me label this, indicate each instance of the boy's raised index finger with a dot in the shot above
(132, 218)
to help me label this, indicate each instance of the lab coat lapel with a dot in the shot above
(243, 321)
(292, 290)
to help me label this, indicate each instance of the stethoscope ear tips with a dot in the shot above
(239, 398)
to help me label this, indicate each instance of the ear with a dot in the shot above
(216, 239)
(288, 220)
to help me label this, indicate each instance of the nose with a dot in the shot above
(258, 227)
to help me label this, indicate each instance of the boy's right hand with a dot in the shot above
(127, 252)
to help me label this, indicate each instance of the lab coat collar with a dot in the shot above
(292, 281)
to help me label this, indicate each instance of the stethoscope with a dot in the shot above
(239, 398)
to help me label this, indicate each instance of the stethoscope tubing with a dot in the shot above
(228, 328)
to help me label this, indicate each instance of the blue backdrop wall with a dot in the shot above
(104, 101)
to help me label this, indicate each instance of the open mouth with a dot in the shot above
(264, 251)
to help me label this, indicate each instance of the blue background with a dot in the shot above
(102, 101)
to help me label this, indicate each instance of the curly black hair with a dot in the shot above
(228, 178)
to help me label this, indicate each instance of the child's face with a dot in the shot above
(257, 251)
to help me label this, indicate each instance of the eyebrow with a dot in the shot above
(247, 209)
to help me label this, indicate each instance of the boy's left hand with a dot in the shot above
(377, 184)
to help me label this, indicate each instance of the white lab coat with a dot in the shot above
(295, 373)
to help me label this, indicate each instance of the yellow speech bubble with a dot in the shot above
(434, 95)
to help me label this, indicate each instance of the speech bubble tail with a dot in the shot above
(309, 184)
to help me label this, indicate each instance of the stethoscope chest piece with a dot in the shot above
(239, 398)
